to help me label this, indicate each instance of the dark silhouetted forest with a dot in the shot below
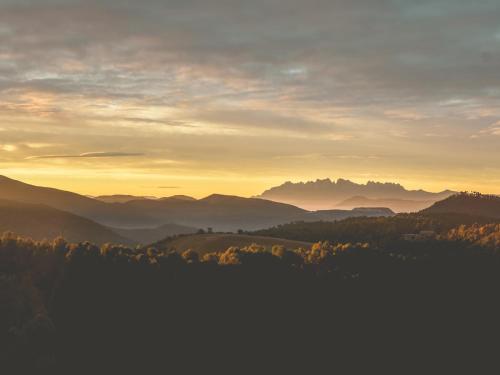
(68, 308)
(378, 230)
(470, 203)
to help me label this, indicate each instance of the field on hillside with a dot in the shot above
(203, 243)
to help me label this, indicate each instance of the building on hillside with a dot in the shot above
(410, 237)
(423, 235)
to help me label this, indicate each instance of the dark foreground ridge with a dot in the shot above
(77, 308)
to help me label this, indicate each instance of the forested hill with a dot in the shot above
(379, 230)
(468, 203)
(77, 308)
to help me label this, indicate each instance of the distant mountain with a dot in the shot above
(120, 198)
(327, 194)
(42, 222)
(146, 236)
(397, 205)
(221, 212)
(468, 203)
(218, 211)
(179, 197)
(123, 198)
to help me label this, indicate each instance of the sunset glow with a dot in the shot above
(113, 97)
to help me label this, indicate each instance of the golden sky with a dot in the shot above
(197, 97)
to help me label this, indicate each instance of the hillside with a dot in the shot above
(468, 203)
(64, 200)
(150, 235)
(218, 211)
(112, 214)
(43, 222)
(222, 212)
(327, 194)
(203, 243)
(378, 230)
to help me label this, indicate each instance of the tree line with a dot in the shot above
(76, 306)
(375, 230)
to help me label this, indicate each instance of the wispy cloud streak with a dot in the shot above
(87, 155)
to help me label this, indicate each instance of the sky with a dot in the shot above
(229, 96)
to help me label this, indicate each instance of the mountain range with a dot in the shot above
(328, 194)
(146, 220)
(42, 212)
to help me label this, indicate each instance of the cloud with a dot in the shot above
(391, 50)
(224, 89)
(87, 155)
(166, 122)
(8, 148)
(264, 120)
(168, 187)
(493, 129)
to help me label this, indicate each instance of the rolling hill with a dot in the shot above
(468, 203)
(204, 243)
(221, 212)
(124, 198)
(149, 235)
(218, 211)
(120, 198)
(375, 230)
(104, 213)
(42, 222)
(178, 197)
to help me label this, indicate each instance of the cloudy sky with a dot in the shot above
(194, 97)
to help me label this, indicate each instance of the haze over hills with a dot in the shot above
(178, 197)
(397, 205)
(124, 198)
(42, 222)
(331, 215)
(221, 212)
(230, 213)
(218, 211)
(146, 236)
(327, 194)
(120, 198)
